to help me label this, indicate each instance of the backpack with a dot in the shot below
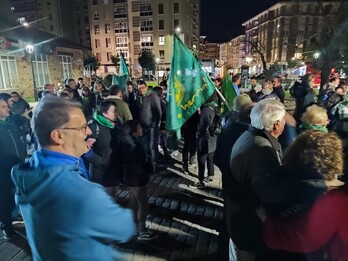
(215, 128)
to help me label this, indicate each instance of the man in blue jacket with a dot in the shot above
(66, 216)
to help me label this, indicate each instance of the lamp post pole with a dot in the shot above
(157, 69)
(30, 50)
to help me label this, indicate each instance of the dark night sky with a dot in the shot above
(221, 20)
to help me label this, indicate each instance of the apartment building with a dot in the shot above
(284, 31)
(128, 26)
(207, 50)
(232, 53)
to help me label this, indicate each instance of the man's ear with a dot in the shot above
(276, 125)
(57, 137)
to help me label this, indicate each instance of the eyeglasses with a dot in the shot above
(82, 128)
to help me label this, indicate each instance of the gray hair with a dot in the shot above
(265, 113)
(266, 85)
(51, 113)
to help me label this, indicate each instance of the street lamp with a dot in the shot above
(316, 55)
(157, 68)
(248, 60)
(30, 49)
(178, 30)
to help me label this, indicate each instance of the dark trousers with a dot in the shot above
(202, 159)
(7, 204)
(151, 136)
(190, 146)
(139, 203)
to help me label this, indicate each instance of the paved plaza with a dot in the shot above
(187, 221)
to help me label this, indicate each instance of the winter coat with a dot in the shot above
(12, 152)
(134, 161)
(206, 143)
(225, 142)
(321, 231)
(95, 100)
(279, 91)
(122, 107)
(266, 95)
(66, 216)
(20, 107)
(100, 158)
(255, 180)
(150, 110)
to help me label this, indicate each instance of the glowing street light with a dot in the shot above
(316, 55)
(178, 30)
(29, 48)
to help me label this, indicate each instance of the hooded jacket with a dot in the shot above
(67, 217)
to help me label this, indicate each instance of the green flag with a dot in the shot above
(188, 88)
(229, 92)
(114, 80)
(123, 75)
(123, 70)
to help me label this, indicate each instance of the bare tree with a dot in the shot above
(329, 42)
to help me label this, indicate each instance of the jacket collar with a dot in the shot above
(274, 142)
(113, 97)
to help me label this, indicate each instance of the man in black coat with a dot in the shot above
(150, 119)
(255, 181)
(278, 88)
(12, 151)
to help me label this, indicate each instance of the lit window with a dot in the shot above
(66, 66)
(8, 72)
(41, 72)
(96, 29)
(161, 40)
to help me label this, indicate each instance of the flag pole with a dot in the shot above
(216, 88)
(223, 98)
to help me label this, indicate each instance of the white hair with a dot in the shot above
(265, 113)
(266, 85)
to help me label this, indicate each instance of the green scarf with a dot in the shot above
(143, 96)
(307, 126)
(100, 119)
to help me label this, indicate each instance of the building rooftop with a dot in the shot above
(13, 32)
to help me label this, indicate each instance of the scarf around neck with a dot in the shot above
(307, 126)
(100, 119)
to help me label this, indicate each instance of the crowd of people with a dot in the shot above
(279, 206)
(282, 175)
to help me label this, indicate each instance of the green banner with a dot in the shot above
(123, 75)
(188, 88)
(229, 91)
